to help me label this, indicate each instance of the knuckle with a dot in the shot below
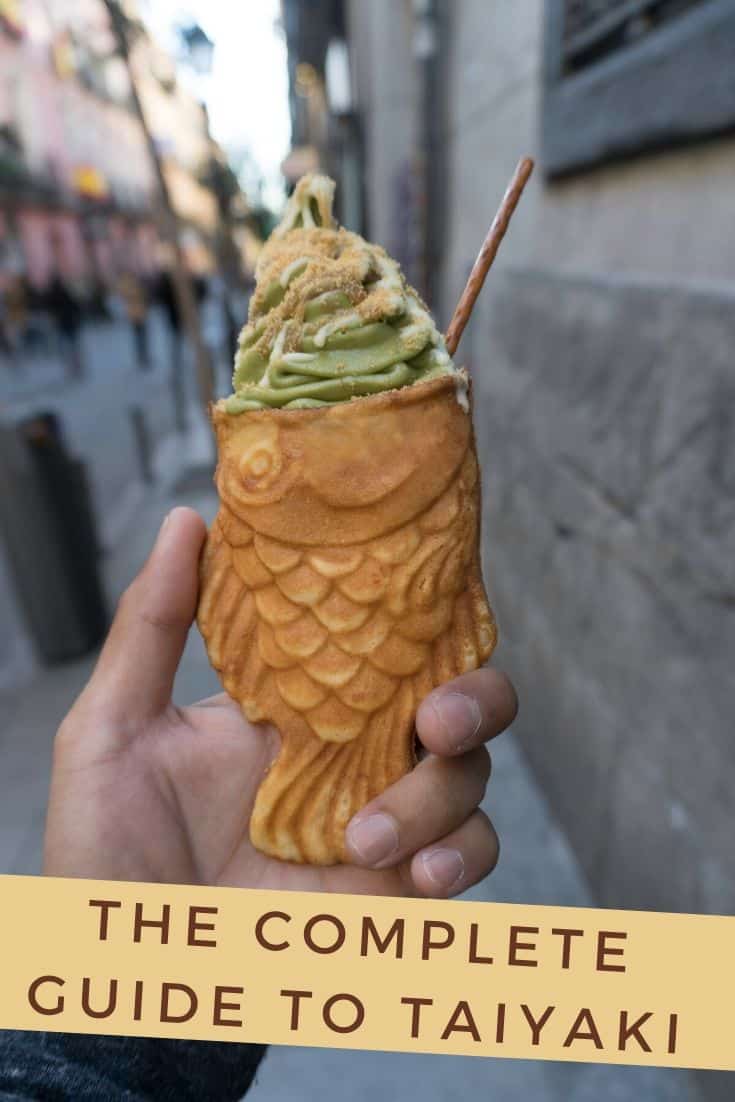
(161, 622)
(476, 768)
(494, 854)
(140, 602)
(510, 698)
(482, 766)
(452, 787)
(492, 842)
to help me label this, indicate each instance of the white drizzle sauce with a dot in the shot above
(294, 268)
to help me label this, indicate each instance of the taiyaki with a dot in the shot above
(341, 579)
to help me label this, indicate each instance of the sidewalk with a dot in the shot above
(95, 410)
(536, 866)
(96, 414)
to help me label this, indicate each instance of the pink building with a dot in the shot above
(75, 180)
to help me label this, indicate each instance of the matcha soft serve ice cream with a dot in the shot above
(332, 317)
(341, 578)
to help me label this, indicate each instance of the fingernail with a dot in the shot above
(444, 868)
(459, 716)
(373, 839)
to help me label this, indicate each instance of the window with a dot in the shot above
(625, 76)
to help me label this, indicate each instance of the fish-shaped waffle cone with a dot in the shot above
(341, 582)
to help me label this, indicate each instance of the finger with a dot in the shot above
(135, 673)
(219, 700)
(437, 796)
(466, 712)
(458, 861)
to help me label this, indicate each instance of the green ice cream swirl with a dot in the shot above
(332, 317)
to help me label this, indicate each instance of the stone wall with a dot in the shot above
(605, 416)
(386, 88)
(658, 217)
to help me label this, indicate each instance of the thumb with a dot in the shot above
(134, 676)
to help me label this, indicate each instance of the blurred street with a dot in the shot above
(95, 410)
(118, 419)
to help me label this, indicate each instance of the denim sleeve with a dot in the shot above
(74, 1067)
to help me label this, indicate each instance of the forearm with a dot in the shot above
(81, 1068)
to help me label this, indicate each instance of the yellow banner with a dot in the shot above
(471, 979)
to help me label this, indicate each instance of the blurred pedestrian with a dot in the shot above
(224, 311)
(165, 295)
(135, 302)
(67, 315)
(14, 316)
(97, 306)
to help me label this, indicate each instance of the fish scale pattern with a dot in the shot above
(337, 646)
(341, 579)
(337, 629)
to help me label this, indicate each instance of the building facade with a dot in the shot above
(77, 191)
(77, 194)
(326, 134)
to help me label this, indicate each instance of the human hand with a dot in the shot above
(144, 790)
